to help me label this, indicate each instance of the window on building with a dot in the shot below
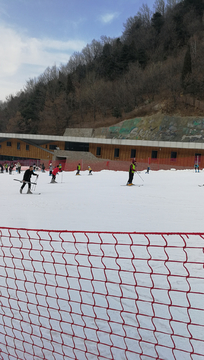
(8, 143)
(133, 153)
(76, 146)
(173, 155)
(116, 153)
(52, 147)
(18, 146)
(154, 154)
(27, 147)
(98, 151)
(197, 158)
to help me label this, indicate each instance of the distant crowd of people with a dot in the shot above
(8, 168)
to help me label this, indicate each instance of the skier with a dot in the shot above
(6, 167)
(18, 167)
(90, 170)
(2, 169)
(11, 169)
(196, 166)
(131, 172)
(60, 168)
(148, 169)
(78, 169)
(50, 169)
(26, 179)
(54, 173)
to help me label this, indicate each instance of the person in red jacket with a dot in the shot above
(54, 173)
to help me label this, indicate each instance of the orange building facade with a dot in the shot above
(47, 148)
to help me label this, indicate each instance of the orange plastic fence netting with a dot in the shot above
(101, 295)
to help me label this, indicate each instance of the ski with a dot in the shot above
(31, 194)
(201, 185)
(133, 185)
(21, 181)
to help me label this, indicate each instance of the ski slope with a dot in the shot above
(168, 201)
(130, 283)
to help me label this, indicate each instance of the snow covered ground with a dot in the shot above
(167, 201)
(162, 287)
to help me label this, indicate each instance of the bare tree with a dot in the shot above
(145, 14)
(91, 92)
(106, 40)
(30, 85)
(75, 60)
(92, 51)
(172, 3)
(159, 6)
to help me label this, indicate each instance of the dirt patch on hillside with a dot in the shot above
(171, 107)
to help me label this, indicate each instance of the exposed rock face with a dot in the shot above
(157, 127)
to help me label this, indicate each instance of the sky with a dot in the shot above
(36, 34)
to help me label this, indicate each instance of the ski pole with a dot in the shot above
(34, 186)
(139, 176)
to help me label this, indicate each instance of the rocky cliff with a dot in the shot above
(157, 127)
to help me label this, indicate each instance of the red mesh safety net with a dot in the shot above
(119, 165)
(101, 295)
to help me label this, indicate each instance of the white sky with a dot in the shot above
(36, 34)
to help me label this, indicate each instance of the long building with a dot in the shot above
(50, 148)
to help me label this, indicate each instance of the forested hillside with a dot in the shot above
(157, 59)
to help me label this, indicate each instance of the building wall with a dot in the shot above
(142, 152)
(18, 149)
(108, 152)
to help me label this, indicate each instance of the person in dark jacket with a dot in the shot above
(43, 167)
(131, 172)
(11, 169)
(26, 179)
